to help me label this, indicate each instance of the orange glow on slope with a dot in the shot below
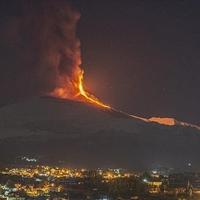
(164, 121)
(74, 89)
(90, 98)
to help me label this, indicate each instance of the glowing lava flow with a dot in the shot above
(164, 121)
(90, 98)
(74, 89)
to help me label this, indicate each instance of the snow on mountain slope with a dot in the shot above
(61, 116)
(84, 135)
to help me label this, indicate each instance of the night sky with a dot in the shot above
(139, 56)
(143, 56)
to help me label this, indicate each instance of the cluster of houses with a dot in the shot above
(174, 185)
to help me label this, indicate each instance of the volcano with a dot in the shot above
(83, 135)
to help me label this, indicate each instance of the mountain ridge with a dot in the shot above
(84, 135)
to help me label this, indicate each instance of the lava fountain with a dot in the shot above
(73, 88)
(65, 55)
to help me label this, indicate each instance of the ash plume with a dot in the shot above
(38, 46)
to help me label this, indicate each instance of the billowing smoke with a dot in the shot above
(38, 46)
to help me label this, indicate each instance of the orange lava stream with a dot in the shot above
(164, 121)
(74, 89)
(90, 98)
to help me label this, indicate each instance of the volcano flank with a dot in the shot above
(83, 135)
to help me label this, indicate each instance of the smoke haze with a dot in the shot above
(38, 46)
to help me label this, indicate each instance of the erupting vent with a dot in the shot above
(73, 88)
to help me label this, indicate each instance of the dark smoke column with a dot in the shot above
(39, 50)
